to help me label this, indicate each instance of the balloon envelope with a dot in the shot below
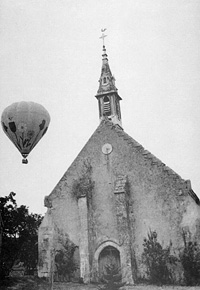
(25, 123)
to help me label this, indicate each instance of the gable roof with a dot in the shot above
(138, 148)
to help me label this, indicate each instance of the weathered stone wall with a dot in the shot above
(157, 199)
(124, 236)
(45, 242)
(83, 239)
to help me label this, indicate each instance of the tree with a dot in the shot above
(190, 259)
(64, 260)
(28, 252)
(19, 240)
(157, 260)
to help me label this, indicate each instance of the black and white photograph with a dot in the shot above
(100, 144)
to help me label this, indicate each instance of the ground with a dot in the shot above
(30, 283)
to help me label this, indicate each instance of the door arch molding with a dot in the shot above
(107, 257)
(95, 264)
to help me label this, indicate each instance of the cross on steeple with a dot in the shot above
(103, 35)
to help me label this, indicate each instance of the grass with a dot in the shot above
(34, 283)
(23, 283)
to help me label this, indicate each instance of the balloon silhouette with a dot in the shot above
(25, 123)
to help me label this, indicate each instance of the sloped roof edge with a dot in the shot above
(154, 160)
(147, 155)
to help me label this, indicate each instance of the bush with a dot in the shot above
(190, 259)
(64, 260)
(157, 260)
(112, 278)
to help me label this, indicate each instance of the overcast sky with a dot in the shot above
(50, 53)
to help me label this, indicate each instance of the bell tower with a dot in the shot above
(107, 94)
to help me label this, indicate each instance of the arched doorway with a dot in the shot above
(109, 256)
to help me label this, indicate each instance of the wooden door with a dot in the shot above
(109, 256)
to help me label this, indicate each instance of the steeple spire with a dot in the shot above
(107, 95)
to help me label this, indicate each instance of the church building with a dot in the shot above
(114, 193)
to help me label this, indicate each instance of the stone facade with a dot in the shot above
(112, 199)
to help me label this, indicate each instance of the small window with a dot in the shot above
(104, 80)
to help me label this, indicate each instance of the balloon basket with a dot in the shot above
(24, 161)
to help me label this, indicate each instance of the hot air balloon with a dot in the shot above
(25, 123)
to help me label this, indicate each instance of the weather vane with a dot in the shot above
(103, 35)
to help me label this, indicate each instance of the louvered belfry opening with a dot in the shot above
(106, 106)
